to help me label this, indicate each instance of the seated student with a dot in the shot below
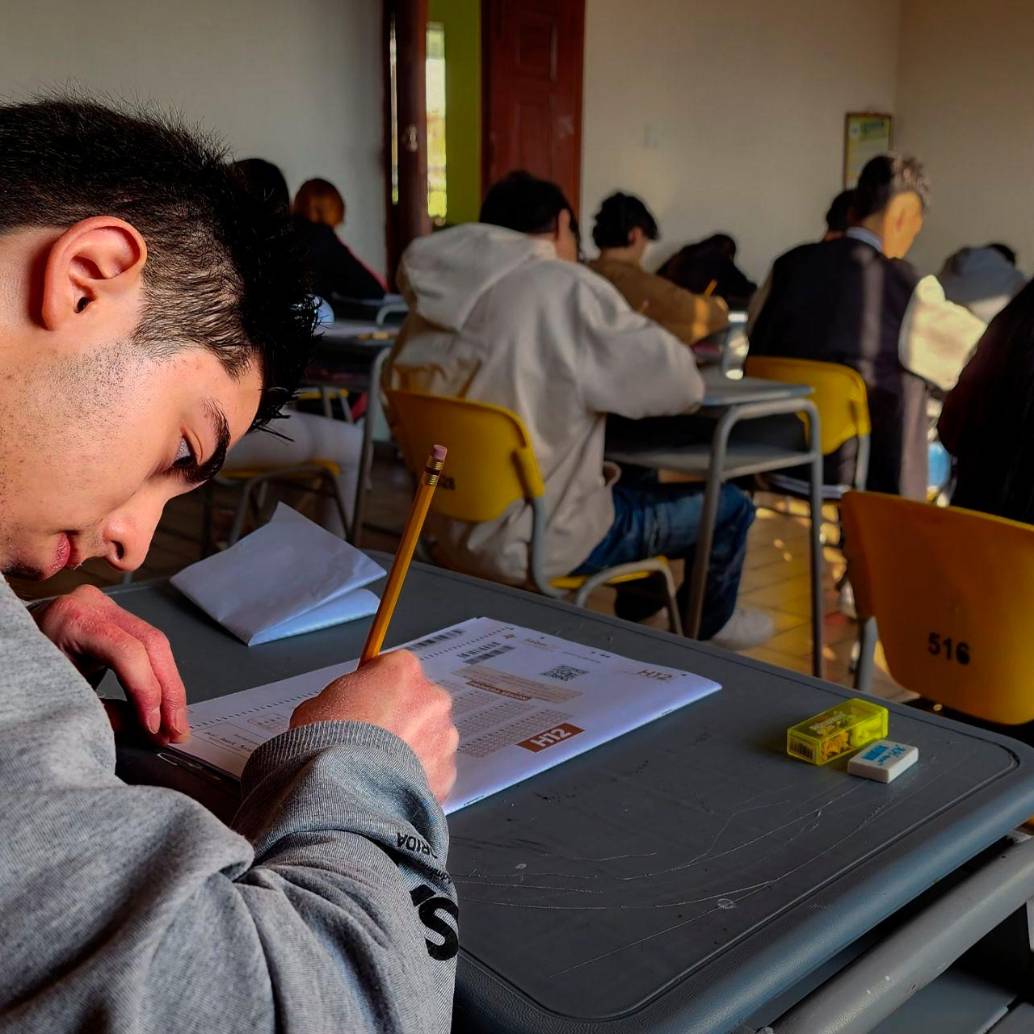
(987, 422)
(305, 436)
(623, 231)
(501, 312)
(714, 258)
(302, 438)
(161, 305)
(856, 301)
(838, 215)
(983, 279)
(838, 219)
(336, 268)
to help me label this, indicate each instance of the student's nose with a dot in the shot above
(128, 532)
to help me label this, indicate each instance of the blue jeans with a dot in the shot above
(652, 519)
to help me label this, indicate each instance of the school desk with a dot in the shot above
(688, 877)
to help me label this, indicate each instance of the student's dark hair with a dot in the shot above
(223, 268)
(722, 243)
(618, 216)
(838, 216)
(1005, 251)
(522, 202)
(265, 181)
(886, 176)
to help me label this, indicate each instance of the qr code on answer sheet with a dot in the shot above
(564, 673)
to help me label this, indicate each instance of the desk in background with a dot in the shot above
(728, 403)
(688, 877)
(350, 354)
(392, 308)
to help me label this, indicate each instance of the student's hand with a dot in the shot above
(95, 633)
(393, 692)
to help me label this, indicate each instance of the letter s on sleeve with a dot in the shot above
(429, 908)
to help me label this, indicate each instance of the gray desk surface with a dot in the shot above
(340, 358)
(741, 458)
(721, 391)
(359, 332)
(682, 876)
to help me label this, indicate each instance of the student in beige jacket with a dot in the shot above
(502, 312)
(623, 231)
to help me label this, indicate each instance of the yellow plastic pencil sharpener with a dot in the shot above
(838, 731)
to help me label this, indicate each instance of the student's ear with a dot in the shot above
(635, 235)
(95, 267)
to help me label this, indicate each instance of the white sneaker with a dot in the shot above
(845, 601)
(747, 627)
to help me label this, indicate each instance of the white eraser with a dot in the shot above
(883, 760)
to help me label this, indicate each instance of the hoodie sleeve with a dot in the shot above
(937, 336)
(132, 908)
(627, 364)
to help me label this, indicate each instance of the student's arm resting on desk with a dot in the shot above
(629, 365)
(690, 317)
(135, 909)
(937, 336)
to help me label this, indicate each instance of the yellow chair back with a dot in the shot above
(838, 393)
(949, 590)
(491, 462)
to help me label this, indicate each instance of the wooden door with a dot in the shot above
(532, 72)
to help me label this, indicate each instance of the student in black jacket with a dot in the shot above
(318, 209)
(856, 301)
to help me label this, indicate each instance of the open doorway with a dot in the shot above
(474, 89)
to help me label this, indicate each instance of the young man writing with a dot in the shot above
(150, 313)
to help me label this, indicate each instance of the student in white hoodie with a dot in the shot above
(502, 312)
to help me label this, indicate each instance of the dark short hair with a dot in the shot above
(1004, 250)
(525, 203)
(838, 216)
(885, 177)
(265, 181)
(223, 268)
(618, 216)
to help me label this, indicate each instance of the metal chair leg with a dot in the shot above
(674, 614)
(817, 660)
(705, 536)
(240, 515)
(335, 493)
(866, 655)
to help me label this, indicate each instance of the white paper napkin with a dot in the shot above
(288, 577)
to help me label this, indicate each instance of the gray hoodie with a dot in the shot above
(982, 279)
(325, 910)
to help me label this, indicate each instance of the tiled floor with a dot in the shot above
(775, 575)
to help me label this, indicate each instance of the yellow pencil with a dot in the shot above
(400, 567)
(709, 290)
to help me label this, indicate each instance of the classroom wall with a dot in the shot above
(299, 83)
(728, 114)
(964, 108)
(462, 22)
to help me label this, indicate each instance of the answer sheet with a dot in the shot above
(523, 702)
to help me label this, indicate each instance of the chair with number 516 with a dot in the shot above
(947, 591)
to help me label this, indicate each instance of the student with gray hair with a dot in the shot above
(856, 301)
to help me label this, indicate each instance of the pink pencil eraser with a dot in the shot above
(439, 452)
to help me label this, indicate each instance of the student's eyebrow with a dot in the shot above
(221, 429)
